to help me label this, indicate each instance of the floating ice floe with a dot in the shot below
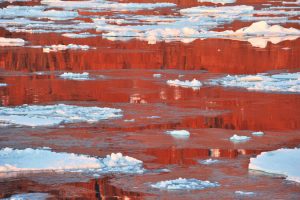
(223, 2)
(52, 115)
(15, 160)
(209, 161)
(243, 193)
(3, 84)
(129, 120)
(29, 196)
(11, 42)
(283, 82)
(195, 84)
(79, 35)
(157, 75)
(61, 47)
(178, 133)
(184, 184)
(284, 162)
(258, 133)
(75, 76)
(239, 138)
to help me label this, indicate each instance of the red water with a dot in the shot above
(211, 114)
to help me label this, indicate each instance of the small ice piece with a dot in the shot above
(129, 120)
(209, 161)
(153, 117)
(26, 160)
(157, 75)
(223, 2)
(3, 84)
(75, 76)
(195, 84)
(184, 184)
(284, 162)
(178, 133)
(29, 196)
(243, 193)
(236, 138)
(11, 42)
(62, 47)
(258, 133)
(53, 115)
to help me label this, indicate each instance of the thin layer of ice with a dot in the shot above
(15, 160)
(75, 76)
(239, 138)
(195, 84)
(283, 82)
(157, 75)
(244, 193)
(52, 115)
(3, 84)
(285, 162)
(62, 47)
(178, 133)
(11, 42)
(184, 184)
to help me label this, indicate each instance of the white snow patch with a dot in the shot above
(283, 82)
(209, 161)
(29, 196)
(243, 193)
(258, 133)
(195, 84)
(11, 42)
(3, 84)
(223, 2)
(15, 160)
(61, 47)
(75, 76)
(285, 162)
(184, 184)
(179, 133)
(52, 115)
(238, 138)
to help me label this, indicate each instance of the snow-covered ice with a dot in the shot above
(3, 84)
(62, 47)
(283, 82)
(178, 133)
(195, 84)
(239, 138)
(51, 115)
(284, 162)
(29, 196)
(258, 133)
(244, 193)
(75, 76)
(184, 184)
(209, 161)
(11, 42)
(15, 160)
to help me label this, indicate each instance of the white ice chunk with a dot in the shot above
(29, 196)
(15, 160)
(3, 84)
(244, 193)
(283, 82)
(195, 84)
(75, 76)
(179, 133)
(285, 162)
(62, 47)
(238, 138)
(209, 161)
(184, 184)
(157, 75)
(11, 42)
(52, 115)
(258, 133)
